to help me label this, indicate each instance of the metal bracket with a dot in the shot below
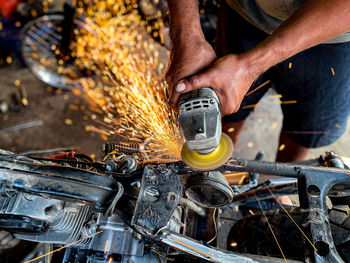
(159, 195)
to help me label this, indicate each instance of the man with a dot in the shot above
(299, 46)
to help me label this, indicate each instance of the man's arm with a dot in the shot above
(184, 21)
(314, 22)
(190, 53)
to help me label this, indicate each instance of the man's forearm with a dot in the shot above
(184, 20)
(313, 23)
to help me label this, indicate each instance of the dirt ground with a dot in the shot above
(52, 108)
(62, 125)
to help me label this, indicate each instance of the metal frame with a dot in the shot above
(314, 183)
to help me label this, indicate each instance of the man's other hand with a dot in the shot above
(230, 76)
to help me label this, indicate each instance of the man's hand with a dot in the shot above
(185, 60)
(230, 77)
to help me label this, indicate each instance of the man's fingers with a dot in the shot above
(194, 82)
(174, 99)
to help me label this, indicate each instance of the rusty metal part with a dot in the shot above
(158, 198)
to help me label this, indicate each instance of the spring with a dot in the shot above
(121, 147)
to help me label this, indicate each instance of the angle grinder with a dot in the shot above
(206, 147)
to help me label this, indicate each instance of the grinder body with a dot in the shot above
(206, 147)
(200, 119)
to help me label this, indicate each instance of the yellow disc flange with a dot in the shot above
(211, 160)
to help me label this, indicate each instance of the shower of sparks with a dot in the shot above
(126, 83)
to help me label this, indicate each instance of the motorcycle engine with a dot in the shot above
(39, 203)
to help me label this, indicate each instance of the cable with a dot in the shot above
(215, 227)
(39, 152)
(110, 209)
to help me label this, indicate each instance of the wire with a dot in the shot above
(39, 152)
(110, 209)
(215, 227)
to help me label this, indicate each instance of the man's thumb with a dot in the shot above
(194, 82)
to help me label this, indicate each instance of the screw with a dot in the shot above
(211, 101)
(152, 194)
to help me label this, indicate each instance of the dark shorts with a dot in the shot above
(314, 84)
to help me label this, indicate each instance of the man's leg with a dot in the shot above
(292, 151)
(315, 101)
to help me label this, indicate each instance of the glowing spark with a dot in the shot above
(281, 148)
(25, 101)
(259, 87)
(106, 247)
(56, 250)
(251, 212)
(288, 102)
(276, 96)
(17, 82)
(68, 121)
(274, 125)
(290, 65)
(9, 60)
(250, 106)
(73, 107)
(233, 244)
(332, 69)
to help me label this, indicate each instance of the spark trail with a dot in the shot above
(126, 79)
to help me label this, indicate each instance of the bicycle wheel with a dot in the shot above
(40, 49)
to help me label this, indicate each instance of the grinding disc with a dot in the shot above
(211, 160)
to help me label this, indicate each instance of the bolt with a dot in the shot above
(91, 227)
(211, 101)
(172, 197)
(152, 194)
